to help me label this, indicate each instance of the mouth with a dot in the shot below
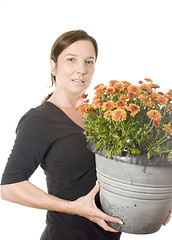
(78, 81)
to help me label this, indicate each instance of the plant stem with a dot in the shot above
(162, 140)
(149, 124)
(159, 142)
(149, 129)
(123, 128)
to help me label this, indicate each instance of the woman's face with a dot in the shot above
(75, 67)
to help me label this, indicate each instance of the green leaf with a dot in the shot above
(170, 155)
(151, 153)
(136, 132)
(135, 151)
(125, 140)
(120, 144)
(98, 146)
(89, 138)
(138, 140)
(115, 136)
(108, 153)
(117, 150)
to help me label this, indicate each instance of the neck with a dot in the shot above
(65, 100)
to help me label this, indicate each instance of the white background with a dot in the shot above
(135, 42)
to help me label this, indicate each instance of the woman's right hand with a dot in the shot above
(85, 206)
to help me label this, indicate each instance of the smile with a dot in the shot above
(78, 81)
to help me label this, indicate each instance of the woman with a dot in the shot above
(51, 135)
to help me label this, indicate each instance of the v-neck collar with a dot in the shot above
(66, 116)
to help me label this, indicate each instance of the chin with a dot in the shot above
(78, 91)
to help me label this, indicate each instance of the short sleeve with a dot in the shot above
(30, 147)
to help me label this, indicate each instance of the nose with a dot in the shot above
(81, 68)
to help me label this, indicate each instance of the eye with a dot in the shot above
(90, 62)
(71, 59)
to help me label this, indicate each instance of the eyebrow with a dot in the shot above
(74, 55)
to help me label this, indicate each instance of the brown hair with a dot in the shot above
(64, 41)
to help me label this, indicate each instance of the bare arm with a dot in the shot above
(27, 194)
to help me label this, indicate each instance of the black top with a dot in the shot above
(46, 136)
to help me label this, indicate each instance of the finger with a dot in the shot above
(114, 220)
(95, 190)
(108, 218)
(167, 219)
(100, 214)
(106, 227)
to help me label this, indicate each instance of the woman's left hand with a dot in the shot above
(168, 218)
(85, 206)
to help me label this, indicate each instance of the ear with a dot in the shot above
(53, 67)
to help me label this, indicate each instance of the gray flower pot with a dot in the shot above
(136, 190)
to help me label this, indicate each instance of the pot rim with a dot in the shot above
(141, 159)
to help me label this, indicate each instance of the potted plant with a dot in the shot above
(129, 128)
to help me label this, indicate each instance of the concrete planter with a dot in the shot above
(136, 190)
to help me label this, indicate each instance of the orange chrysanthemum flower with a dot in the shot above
(107, 115)
(153, 96)
(169, 108)
(81, 109)
(148, 79)
(109, 90)
(126, 83)
(140, 82)
(134, 89)
(134, 109)
(118, 86)
(167, 128)
(151, 103)
(130, 95)
(153, 85)
(168, 96)
(84, 95)
(99, 85)
(119, 115)
(108, 105)
(100, 88)
(161, 93)
(156, 123)
(162, 100)
(154, 115)
(89, 109)
(170, 91)
(122, 97)
(142, 98)
(120, 104)
(146, 100)
(146, 88)
(84, 108)
(97, 103)
(98, 93)
(112, 83)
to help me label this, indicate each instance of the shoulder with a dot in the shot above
(34, 118)
(32, 115)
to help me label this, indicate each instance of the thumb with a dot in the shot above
(95, 190)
